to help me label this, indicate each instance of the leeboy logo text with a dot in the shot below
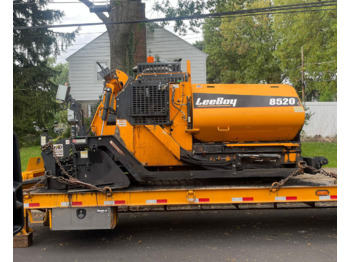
(220, 101)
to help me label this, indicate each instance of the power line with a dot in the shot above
(101, 44)
(104, 47)
(59, 2)
(160, 20)
(165, 19)
(100, 32)
(201, 16)
(170, 27)
(65, 2)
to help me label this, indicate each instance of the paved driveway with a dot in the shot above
(228, 235)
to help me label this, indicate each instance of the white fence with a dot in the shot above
(323, 120)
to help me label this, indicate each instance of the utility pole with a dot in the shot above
(302, 75)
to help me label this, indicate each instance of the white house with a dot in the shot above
(86, 84)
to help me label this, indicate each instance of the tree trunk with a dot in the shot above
(127, 41)
(121, 35)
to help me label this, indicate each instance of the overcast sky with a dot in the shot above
(79, 13)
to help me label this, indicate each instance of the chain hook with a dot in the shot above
(274, 187)
(107, 191)
(302, 165)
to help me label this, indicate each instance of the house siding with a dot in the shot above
(82, 69)
(168, 47)
(323, 120)
(82, 64)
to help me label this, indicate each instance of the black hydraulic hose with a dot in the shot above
(106, 104)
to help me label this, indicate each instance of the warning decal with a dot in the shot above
(58, 150)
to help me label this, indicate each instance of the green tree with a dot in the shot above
(241, 49)
(62, 71)
(266, 48)
(185, 8)
(316, 32)
(217, 59)
(33, 86)
(199, 45)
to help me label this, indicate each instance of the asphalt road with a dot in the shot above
(228, 235)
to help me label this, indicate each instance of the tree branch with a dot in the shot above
(99, 15)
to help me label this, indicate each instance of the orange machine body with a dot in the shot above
(246, 112)
(235, 115)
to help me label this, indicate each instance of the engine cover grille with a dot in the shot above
(148, 100)
(149, 103)
(171, 78)
(158, 67)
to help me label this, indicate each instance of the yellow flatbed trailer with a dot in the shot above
(62, 209)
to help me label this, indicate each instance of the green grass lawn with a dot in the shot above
(328, 150)
(310, 149)
(28, 152)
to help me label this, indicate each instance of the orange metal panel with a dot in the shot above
(241, 124)
(34, 168)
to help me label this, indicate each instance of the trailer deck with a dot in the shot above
(304, 188)
(300, 191)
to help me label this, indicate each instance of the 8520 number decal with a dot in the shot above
(283, 101)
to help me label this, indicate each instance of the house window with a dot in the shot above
(91, 110)
(98, 69)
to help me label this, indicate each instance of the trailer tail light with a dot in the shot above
(322, 193)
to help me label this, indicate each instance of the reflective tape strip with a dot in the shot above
(324, 197)
(328, 197)
(114, 202)
(199, 200)
(291, 198)
(285, 198)
(64, 204)
(156, 201)
(241, 199)
(77, 203)
(280, 198)
(31, 205)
